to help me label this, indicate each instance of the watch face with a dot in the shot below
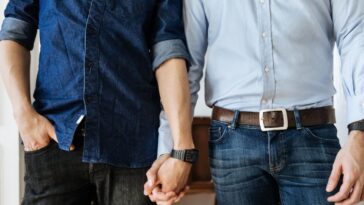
(191, 156)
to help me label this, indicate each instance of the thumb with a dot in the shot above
(152, 176)
(153, 171)
(334, 177)
(52, 133)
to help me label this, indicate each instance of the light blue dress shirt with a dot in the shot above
(261, 54)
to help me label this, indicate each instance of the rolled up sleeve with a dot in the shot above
(348, 18)
(19, 31)
(169, 36)
(21, 22)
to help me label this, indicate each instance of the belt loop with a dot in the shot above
(297, 118)
(235, 121)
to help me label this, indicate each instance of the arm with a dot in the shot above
(348, 18)
(34, 129)
(196, 34)
(178, 127)
(175, 96)
(17, 38)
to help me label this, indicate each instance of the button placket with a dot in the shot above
(267, 58)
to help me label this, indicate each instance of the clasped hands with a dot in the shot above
(167, 180)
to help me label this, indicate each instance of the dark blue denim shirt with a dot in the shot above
(97, 60)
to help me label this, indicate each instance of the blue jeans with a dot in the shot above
(289, 167)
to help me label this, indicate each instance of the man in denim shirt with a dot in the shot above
(96, 95)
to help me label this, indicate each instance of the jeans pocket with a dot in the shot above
(41, 150)
(218, 132)
(324, 133)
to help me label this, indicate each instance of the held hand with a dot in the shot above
(154, 184)
(350, 163)
(173, 175)
(35, 130)
(152, 175)
(166, 198)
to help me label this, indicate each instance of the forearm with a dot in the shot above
(175, 96)
(14, 70)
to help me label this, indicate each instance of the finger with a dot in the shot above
(148, 190)
(344, 189)
(355, 195)
(152, 174)
(161, 196)
(72, 147)
(152, 198)
(26, 149)
(170, 202)
(334, 177)
(152, 179)
(52, 133)
(180, 196)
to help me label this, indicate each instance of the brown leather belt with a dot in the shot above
(277, 119)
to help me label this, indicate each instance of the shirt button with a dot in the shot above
(262, 1)
(264, 34)
(264, 101)
(362, 104)
(266, 69)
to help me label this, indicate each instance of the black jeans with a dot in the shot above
(57, 177)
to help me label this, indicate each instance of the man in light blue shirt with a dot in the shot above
(269, 78)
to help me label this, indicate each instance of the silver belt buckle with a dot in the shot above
(285, 120)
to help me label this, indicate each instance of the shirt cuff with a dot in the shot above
(19, 31)
(169, 49)
(165, 139)
(355, 108)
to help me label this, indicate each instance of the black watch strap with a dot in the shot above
(359, 125)
(188, 155)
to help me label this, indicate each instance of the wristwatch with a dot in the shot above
(359, 125)
(188, 155)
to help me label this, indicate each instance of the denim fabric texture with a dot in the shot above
(97, 60)
(251, 167)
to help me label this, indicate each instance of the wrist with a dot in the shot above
(357, 137)
(23, 112)
(188, 155)
(183, 145)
